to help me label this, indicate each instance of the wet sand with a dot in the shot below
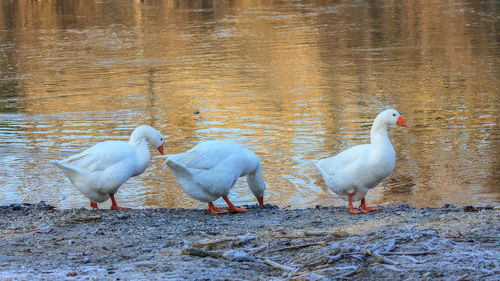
(268, 243)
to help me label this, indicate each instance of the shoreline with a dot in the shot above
(268, 243)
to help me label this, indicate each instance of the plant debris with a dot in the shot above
(323, 243)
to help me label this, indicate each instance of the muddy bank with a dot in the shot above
(323, 243)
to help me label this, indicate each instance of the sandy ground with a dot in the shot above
(39, 242)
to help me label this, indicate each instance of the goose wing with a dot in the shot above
(102, 155)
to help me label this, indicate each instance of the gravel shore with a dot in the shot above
(40, 242)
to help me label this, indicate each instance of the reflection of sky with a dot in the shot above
(293, 83)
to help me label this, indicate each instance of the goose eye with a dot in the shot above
(394, 114)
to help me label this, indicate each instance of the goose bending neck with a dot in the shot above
(139, 142)
(138, 136)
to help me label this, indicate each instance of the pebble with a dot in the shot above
(122, 216)
(45, 229)
(240, 256)
(245, 240)
(42, 205)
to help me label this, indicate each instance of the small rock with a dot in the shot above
(313, 277)
(270, 207)
(122, 216)
(146, 249)
(470, 209)
(46, 229)
(244, 240)
(404, 207)
(240, 256)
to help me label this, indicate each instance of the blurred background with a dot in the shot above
(294, 81)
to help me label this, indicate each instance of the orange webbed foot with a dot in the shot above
(213, 210)
(351, 207)
(115, 206)
(366, 208)
(354, 211)
(232, 208)
(237, 210)
(94, 205)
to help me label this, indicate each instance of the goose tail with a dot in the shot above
(321, 169)
(74, 173)
(179, 168)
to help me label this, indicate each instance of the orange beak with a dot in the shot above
(160, 149)
(400, 122)
(261, 200)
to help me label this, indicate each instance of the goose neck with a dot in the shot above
(379, 134)
(140, 146)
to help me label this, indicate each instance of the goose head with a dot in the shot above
(258, 192)
(257, 184)
(383, 120)
(156, 140)
(390, 117)
(153, 137)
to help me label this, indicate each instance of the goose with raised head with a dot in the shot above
(210, 169)
(99, 171)
(352, 172)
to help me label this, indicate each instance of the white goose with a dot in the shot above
(354, 171)
(99, 171)
(210, 169)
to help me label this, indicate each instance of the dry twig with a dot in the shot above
(359, 269)
(325, 233)
(379, 257)
(92, 218)
(257, 249)
(407, 253)
(212, 242)
(201, 253)
(277, 265)
(320, 243)
(322, 262)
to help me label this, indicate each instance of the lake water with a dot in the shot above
(294, 81)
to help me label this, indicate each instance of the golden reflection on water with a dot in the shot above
(294, 81)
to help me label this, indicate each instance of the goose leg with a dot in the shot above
(114, 206)
(213, 210)
(94, 205)
(366, 208)
(232, 208)
(351, 207)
